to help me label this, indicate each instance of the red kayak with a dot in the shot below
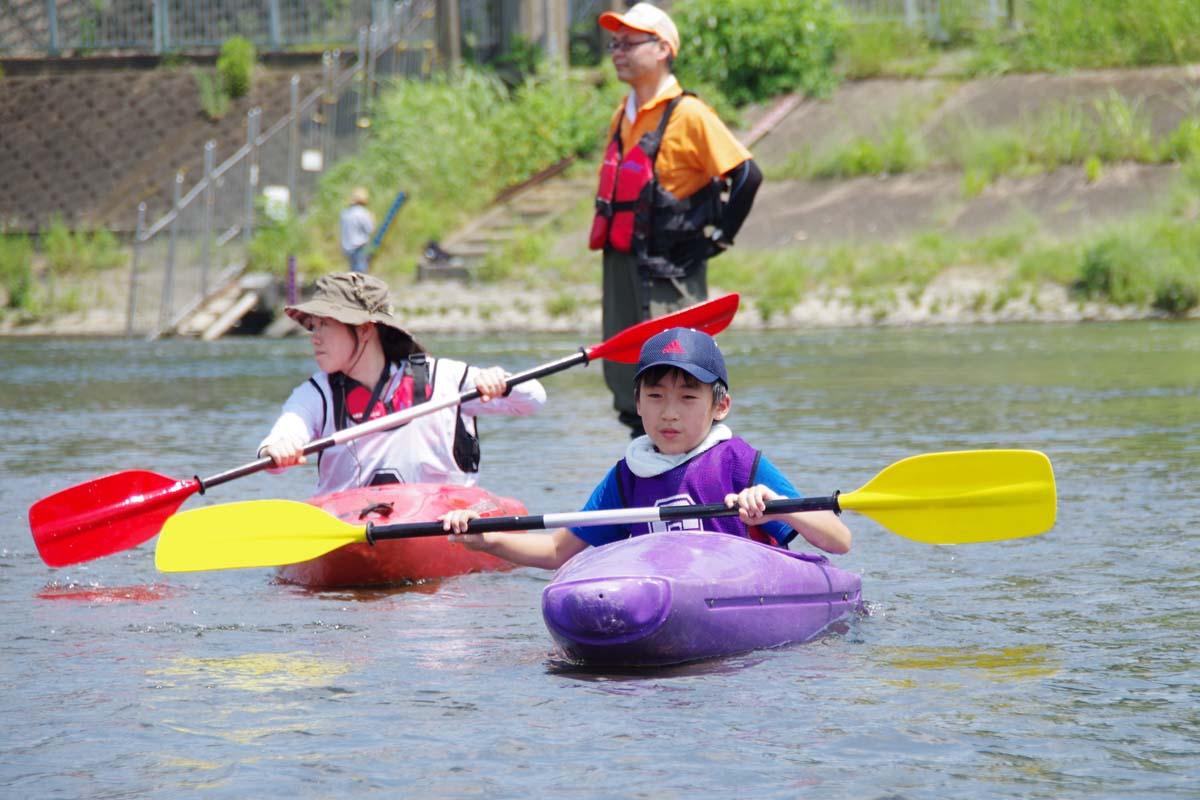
(398, 561)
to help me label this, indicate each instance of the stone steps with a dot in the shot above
(531, 207)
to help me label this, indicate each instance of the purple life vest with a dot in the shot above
(727, 467)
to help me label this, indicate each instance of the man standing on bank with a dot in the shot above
(660, 209)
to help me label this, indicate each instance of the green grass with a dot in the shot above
(83, 250)
(1151, 260)
(16, 271)
(1048, 36)
(214, 100)
(877, 49)
(1106, 130)
(1056, 35)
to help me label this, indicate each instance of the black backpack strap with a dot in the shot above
(651, 142)
(418, 367)
(337, 387)
(466, 443)
(338, 381)
(324, 413)
(324, 404)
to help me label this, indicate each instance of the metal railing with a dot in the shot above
(52, 27)
(195, 247)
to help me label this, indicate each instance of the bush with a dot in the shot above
(521, 59)
(61, 247)
(213, 99)
(1176, 295)
(236, 66)
(1183, 143)
(16, 270)
(81, 251)
(1154, 265)
(275, 240)
(757, 49)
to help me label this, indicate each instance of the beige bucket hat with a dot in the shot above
(352, 298)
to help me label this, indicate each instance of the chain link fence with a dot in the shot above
(56, 27)
(201, 243)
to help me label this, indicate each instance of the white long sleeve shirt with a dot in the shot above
(420, 452)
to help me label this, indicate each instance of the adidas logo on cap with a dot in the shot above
(687, 349)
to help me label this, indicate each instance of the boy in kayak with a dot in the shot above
(688, 456)
(369, 366)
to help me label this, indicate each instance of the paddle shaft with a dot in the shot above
(712, 317)
(395, 419)
(938, 498)
(582, 519)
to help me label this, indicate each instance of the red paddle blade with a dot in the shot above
(712, 317)
(105, 516)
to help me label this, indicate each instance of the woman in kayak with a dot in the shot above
(369, 366)
(687, 457)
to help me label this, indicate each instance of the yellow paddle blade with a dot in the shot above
(961, 497)
(257, 533)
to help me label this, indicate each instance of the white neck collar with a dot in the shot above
(631, 103)
(645, 461)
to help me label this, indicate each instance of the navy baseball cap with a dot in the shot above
(688, 349)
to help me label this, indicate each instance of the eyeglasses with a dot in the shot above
(625, 44)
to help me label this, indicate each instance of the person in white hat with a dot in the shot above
(368, 365)
(675, 188)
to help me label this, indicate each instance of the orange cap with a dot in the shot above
(647, 19)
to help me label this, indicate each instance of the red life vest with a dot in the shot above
(635, 214)
(351, 399)
(353, 404)
(622, 181)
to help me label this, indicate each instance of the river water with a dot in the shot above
(1059, 666)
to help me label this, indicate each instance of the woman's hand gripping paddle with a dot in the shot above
(938, 498)
(122, 510)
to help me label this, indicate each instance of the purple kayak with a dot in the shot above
(667, 598)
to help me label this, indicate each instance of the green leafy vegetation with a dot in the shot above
(276, 239)
(233, 78)
(872, 49)
(80, 251)
(1149, 264)
(16, 271)
(1089, 34)
(757, 49)
(1044, 36)
(236, 66)
(214, 101)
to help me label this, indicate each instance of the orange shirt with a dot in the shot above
(696, 146)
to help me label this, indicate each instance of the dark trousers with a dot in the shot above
(626, 296)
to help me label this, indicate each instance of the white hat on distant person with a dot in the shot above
(647, 19)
